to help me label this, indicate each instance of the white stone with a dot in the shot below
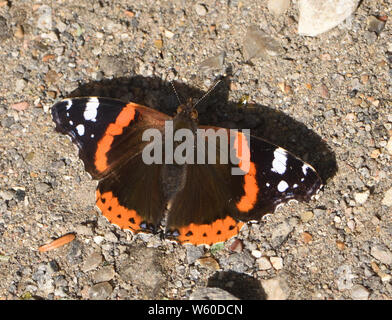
(275, 288)
(201, 9)
(359, 292)
(389, 146)
(256, 253)
(264, 263)
(277, 263)
(381, 253)
(387, 201)
(361, 197)
(316, 16)
(169, 34)
(278, 7)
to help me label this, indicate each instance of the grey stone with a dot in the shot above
(359, 292)
(20, 85)
(211, 294)
(4, 30)
(344, 277)
(100, 291)
(316, 17)
(42, 187)
(92, 261)
(7, 122)
(75, 252)
(258, 43)
(275, 288)
(278, 7)
(144, 269)
(387, 200)
(201, 9)
(193, 253)
(6, 195)
(104, 274)
(382, 254)
(280, 234)
(44, 21)
(375, 25)
(213, 63)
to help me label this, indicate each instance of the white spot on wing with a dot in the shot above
(90, 113)
(279, 162)
(71, 122)
(282, 186)
(69, 103)
(295, 185)
(80, 129)
(92, 135)
(305, 168)
(267, 184)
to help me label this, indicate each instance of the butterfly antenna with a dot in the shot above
(175, 91)
(208, 92)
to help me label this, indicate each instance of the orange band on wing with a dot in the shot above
(218, 231)
(114, 129)
(251, 189)
(116, 213)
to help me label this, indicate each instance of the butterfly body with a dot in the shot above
(194, 201)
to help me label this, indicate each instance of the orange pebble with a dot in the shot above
(57, 243)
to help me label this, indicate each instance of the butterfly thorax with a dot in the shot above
(186, 117)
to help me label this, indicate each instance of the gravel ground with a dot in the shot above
(325, 98)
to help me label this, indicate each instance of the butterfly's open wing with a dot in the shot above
(109, 133)
(213, 199)
(105, 130)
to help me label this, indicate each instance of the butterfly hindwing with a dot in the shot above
(132, 197)
(276, 176)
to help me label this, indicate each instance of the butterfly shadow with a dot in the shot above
(216, 110)
(240, 285)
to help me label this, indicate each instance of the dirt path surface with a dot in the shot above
(326, 98)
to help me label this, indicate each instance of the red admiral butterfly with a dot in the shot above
(189, 203)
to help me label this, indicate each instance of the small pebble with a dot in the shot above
(376, 25)
(100, 291)
(275, 289)
(169, 34)
(209, 263)
(382, 254)
(104, 274)
(361, 197)
(306, 216)
(237, 246)
(256, 253)
(21, 105)
(193, 253)
(387, 200)
(278, 7)
(264, 263)
(92, 261)
(201, 9)
(307, 237)
(359, 292)
(277, 263)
